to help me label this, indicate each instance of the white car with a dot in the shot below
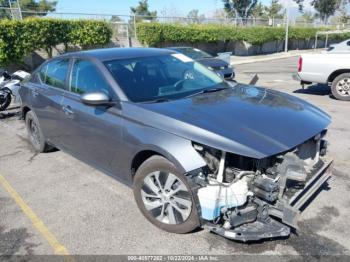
(340, 47)
(326, 68)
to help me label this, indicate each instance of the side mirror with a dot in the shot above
(95, 99)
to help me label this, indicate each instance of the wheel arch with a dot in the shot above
(25, 110)
(185, 158)
(140, 158)
(337, 73)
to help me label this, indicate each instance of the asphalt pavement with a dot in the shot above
(54, 204)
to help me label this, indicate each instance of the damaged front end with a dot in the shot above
(249, 199)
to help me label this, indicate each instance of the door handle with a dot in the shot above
(68, 111)
(35, 92)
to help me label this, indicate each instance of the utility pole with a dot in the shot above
(287, 28)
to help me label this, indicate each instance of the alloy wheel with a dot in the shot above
(166, 197)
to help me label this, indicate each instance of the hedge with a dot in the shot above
(153, 34)
(20, 38)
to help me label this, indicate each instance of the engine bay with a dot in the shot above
(249, 199)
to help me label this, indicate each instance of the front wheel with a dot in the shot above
(164, 197)
(341, 87)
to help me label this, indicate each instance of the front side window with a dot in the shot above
(54, 73)
(170, 76)
(86, 77)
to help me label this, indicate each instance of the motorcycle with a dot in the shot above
(9, 86)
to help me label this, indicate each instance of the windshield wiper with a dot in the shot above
(205, 91)
(158, 100)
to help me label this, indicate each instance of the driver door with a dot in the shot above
(93, 133)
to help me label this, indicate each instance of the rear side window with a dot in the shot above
(86, 77)
(348, 43)
(54, 73)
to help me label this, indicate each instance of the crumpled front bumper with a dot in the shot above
(287, 212)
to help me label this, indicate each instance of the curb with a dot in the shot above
(254, 60)
(270, 57)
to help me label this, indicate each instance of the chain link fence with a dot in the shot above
(124, 25)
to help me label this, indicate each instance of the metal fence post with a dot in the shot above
(19, 10)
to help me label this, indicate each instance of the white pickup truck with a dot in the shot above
(326, 68)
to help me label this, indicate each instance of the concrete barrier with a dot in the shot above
(247, 49)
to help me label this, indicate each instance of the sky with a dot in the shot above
(174, 7)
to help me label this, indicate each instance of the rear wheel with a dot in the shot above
(341, 87)
(164, 196)
(35, 134)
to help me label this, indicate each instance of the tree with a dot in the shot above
(39, 8)
(324, 8)
(239, 8)
(274, 10)
(300, 3)
(343, 17)
(194, 17)
(307, 17)
(3, 12)
(219, 15)
(259, 11)
(116, 18)
(142, 12)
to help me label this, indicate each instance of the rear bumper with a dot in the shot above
(297, 77)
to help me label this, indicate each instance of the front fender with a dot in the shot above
(178, 150)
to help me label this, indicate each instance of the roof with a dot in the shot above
(120, 53)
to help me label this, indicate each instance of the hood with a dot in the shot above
(213, 62)
(245, 120)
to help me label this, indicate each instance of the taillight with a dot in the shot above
(300, 64)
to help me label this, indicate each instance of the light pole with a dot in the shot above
(287, 27)
(19, 10)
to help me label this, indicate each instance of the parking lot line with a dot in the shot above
(58, 248)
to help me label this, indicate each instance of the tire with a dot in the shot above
(171, 221)
(35, 135)
(5, 103)
(341, 87)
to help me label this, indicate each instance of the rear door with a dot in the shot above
(46, 95)
(93, 133)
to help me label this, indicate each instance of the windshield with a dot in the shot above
(170, 76)
(193, 53)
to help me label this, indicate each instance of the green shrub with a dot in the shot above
(154, 34)
(20, 38)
